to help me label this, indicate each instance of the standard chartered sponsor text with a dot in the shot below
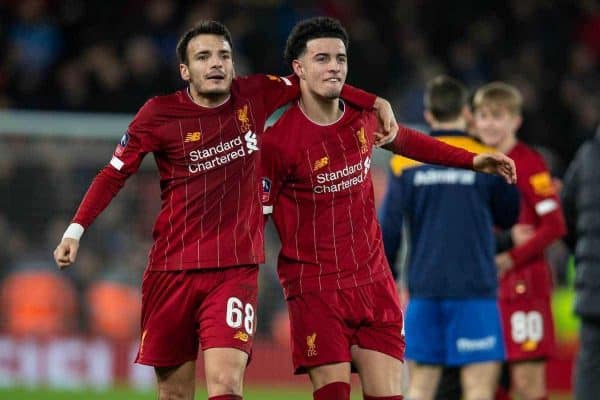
(221, 154)
(345, 172)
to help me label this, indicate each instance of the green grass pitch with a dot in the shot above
(296, 393)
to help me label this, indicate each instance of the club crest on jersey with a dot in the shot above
(242, 116)
(122, 144)
(192, 137)
(362, 139)
(266, 190)
(321, 163)
(311, 345)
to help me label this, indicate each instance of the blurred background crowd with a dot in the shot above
(104, 56)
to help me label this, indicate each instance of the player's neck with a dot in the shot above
(457, 125)
(208, 101)
(319, 110)
(507, 144)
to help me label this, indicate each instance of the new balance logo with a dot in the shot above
(320, 163)
(192, 137)
(251, 142)
(243, 336)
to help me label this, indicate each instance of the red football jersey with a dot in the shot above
(207, 159)
(540, 207)
(316, 183)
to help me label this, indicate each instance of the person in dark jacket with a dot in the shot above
(581, 203)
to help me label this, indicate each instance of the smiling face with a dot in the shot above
(209, 67)
(323, 67)
(495, 125)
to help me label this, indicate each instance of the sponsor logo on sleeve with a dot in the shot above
(542, 184)
(266, 190)
(280, 79)
(122, 144)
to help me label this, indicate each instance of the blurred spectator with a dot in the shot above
(114, 309)
(36, 301)
(35, 44)
(98, 56)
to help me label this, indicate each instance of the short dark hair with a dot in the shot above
(445, 98)
(312, 28)
(206, 27)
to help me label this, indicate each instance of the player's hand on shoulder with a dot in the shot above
(387, 122)
(504, 262)
(496, 163)
(66, 252)
(521, 233)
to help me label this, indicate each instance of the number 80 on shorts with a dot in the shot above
(526, 326)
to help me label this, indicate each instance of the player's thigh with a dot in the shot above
(380, 374)
(176, 381)
(377, 313)
(423, 380)
(319, 331)
(226, 317)
(528, 328)
(224, 370)
(473, 331)
(425, 332)
(168, 316)
(480, 380)
(322, 375)
(528, 378)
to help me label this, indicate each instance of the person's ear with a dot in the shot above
(429, 118)
(184, 71)
(298, 68)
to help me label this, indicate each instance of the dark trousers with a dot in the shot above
(587, 366)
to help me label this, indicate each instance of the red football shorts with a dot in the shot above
(324, 325)
(184, 309)
(528, 328)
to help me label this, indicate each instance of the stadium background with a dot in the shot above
(73, 72)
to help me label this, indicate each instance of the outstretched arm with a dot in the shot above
(418, 146)
(126, 160)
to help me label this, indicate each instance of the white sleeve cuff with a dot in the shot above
(74, 231)
(267, 210)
